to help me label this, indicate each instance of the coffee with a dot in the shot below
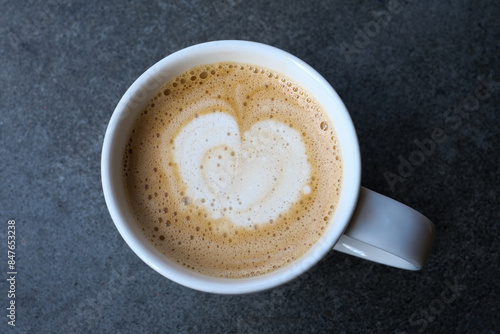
(232, 170)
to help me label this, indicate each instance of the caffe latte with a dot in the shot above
(232, 170)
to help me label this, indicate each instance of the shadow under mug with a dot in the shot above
(365, 223)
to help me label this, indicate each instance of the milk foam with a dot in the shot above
(224, 143)
(249, 181)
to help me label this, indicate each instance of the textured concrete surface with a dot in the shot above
(403, 69)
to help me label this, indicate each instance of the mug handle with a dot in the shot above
(388, 232)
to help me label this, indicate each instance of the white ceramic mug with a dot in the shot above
(365, 224)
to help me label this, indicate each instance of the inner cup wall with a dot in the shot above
(144, 89)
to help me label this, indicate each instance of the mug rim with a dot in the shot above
(125, 114)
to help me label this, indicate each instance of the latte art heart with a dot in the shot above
(249, 179)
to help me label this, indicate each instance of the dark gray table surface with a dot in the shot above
(403, 69)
